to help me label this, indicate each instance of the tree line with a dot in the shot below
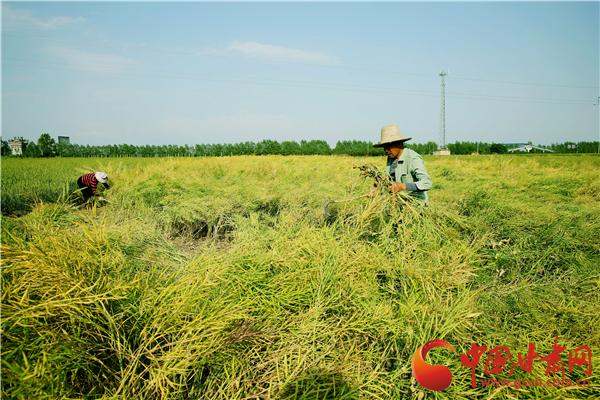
(47, 147)
(498, 148)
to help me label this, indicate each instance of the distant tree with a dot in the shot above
(588, 147)
(315, 147)
(249, 148)
(431, 147)
(46, 145)
(459, 148)
(360, 148)
(95, 151)
(377, 151)
(260, 148)
(75, 150)
(32, 150)
(341, 147)
(237, 149)
(484, 148)
(322, 147)
(498, 148)
(133, 150)
(209, 150)
(273, 147)
(172, 150)
(350, 148)
(268, 146)
(6, 150)
(217, 149)
(454, 148)
(307, 148)
(214, 149)
(64, 149)
(290, 148)
(227, 149)
(570, 147)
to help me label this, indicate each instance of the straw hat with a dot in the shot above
(390, 134)
(101, 176)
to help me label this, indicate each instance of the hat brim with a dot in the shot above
(393, 141)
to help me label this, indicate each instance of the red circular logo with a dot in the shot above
(432, 377)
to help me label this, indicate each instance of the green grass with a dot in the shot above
(223, 278)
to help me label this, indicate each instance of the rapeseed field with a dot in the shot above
(223, 278)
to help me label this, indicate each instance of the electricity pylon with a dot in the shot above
(442, 134)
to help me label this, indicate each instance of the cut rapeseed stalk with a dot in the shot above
(368, 170)
(383, 181)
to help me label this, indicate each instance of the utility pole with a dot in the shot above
(442, 134)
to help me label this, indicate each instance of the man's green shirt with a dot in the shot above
(410, 169)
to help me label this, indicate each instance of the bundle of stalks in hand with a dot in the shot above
(413, 215)
(383, 181)
(368, 170)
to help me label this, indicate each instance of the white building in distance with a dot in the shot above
(17, 145)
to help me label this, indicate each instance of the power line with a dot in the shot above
(213, 80)
(291, 62)
(390, 91)
(385, 89)
(221, 76)
(522, 83)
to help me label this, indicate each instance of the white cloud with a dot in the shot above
(78, 57)
(17, 18)
(254, 49)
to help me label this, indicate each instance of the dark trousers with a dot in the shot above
(87, 191)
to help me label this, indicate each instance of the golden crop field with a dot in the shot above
(223, 278)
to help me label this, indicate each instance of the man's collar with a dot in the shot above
(403, 156)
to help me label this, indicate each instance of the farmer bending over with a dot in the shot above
(89, 182)
(405, 166)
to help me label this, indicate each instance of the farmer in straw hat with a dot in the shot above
(405, 166)
(89, 183)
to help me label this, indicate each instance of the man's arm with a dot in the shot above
(422, 181)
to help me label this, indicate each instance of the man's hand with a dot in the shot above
(397, 187)
(373, 192)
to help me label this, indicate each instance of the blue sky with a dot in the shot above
(200, 72)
